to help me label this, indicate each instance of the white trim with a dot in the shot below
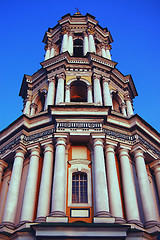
(79, 165)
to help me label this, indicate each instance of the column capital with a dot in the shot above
(51, 79)
(65, 30)
(138, 149)
(20, 148)
(67, 87)
(110, 148)
(3, 165)
(127, 97)
(85, 34)
(98, 142)
(33, 105)
(123, 150)
(96, 76)
(108, 46)
(155, 165)
(123, 105)
(91, 30)
(61, 75)
(105, 79)
(34, 150)
(89, 87)
(61, 139)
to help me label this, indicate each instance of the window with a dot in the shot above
(78, 91)
(78, 48)
(79, 188)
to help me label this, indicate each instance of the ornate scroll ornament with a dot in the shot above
(96, 76)
(60, 75)
(105, 79)
(51, 79)
(65, 30)
(67, 87)
(91, 30)
(34, 105)
(108, 46)
(127, 97)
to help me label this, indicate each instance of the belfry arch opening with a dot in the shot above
(116, 103)
(78, 91)
(78, 48)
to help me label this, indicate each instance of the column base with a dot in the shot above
(57, 219)
(22, 223)
(57, 214)
(104, 214)
(40, 219)
(104, 220)
(152, 223)
(8, 225)
(120, 220)
(137, 222)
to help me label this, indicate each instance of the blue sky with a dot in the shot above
(135, 28)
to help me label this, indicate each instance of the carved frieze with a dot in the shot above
(80, 126)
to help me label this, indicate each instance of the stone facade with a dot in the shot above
(79, 163)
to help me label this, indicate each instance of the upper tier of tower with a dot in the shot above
(78, 34)
(78, 70)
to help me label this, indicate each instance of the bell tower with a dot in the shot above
(79, 163)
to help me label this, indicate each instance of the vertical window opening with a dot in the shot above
(79, 188)
(78, 91)
(78, 48)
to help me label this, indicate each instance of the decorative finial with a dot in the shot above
(78, 12)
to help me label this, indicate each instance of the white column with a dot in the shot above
(33, 108)
(70, 44)
(60, 88)
(51, 91)
(145, 191)
(108, 48)
(108, 55)
(85, 44)
(52, 53)
(97, 89)
(129, 106)
(27, 104)
(3, 165)
(113, 185)
(101, 206)
(13, 191)
(64, 46)
(123, 109)
(156, 168)
(106, 93)
(89, 94)
(48, 52)
(103, 50)
(92, 47)
(58, 208)
(67, 93)
(46, 182)
(130, 199)
(29, 199)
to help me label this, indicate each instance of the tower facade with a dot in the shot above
(79, 163)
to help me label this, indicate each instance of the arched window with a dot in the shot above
(78, 48)
(79, 188)
(40, 102)
(116, 103)
(78, 91)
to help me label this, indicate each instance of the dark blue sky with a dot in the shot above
(135, 28)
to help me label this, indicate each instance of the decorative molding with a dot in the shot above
(148, 145)
(82, 125)
(119, 135)
(114, 135)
